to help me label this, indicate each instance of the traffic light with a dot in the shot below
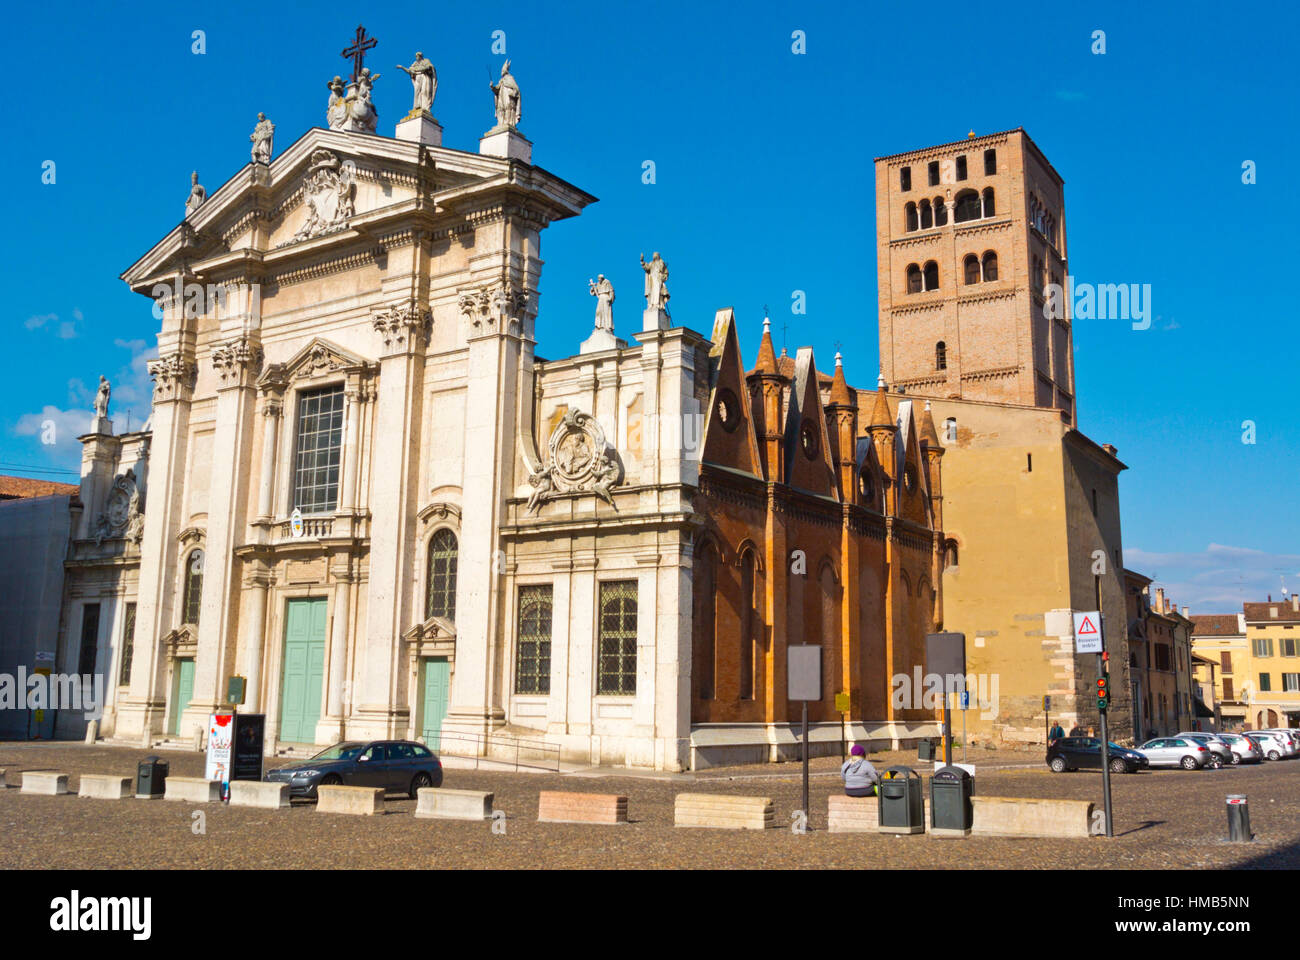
(1103, 692)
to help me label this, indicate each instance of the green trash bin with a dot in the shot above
(925, 750)
(950, 807)
(901, 807)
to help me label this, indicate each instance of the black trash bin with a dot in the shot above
(925, 750)
(151, 778)
(901, 807)
(950, 806)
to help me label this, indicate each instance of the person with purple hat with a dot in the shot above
(860, 777)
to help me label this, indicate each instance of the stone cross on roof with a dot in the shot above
(357, 52)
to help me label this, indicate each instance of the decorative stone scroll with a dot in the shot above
(580, 461)
(123, 513)
(494, 305)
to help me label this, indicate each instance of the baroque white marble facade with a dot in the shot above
(406, 277)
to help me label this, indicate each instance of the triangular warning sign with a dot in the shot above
(1086, 629)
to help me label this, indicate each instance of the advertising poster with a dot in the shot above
(246, 756)
(221, 728)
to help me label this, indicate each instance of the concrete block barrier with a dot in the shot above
(365, 801)
(558, 806)
(47, 782)
(439, 803)
(1024, 817)
(860, 814)
(103, 786)
(193, 790)
(258, 793)
(723, 812)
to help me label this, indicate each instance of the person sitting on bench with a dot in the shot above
(860, 777)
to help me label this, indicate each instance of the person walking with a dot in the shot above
(860, 777)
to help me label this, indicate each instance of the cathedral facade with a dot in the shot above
(369, 498)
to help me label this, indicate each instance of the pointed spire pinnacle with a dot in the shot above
(839, 388)
(766, 356)
(880, 415)
(928, 433)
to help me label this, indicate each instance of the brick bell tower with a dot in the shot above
(969, 236)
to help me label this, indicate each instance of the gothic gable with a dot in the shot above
(729, 438)
(913, 479)
(808, 464)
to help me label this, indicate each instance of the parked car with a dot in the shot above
(1290, 744)
(1222, 752)
(1271, 746)
(1243, 750)
(1176, 752)
(399, 766)
(1084, 753)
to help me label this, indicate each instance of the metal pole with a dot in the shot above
(947, 729)
(843, 738)
(805, 758)
(963, 730)
(1105, 741)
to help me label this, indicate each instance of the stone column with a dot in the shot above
(143, 708)
(272, 409)
(256, 586)
(331, 723)
(404, 329)
(351, 449)
(235, 364)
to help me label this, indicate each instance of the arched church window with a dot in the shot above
(193, 586)
(909, 217)
(990, 266)
(440, 600)
(913, 278)
(932, 276)
(971, 265)
(989, 207)
(941, 356)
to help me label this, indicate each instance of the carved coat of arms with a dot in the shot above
(328, 195)
(579, 460)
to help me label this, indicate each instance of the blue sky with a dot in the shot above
(764, 186)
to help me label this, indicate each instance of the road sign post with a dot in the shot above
(803, 678)
(1090, 637)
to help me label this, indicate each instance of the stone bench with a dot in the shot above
(358, 800)
(47, 782)
(557, 806)
(1024, 817)
(860, 814)
(723, 812)
(193, 790)
(258, 793)
(439, 803)
(104, 786)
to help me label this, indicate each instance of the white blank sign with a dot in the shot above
(803, 664)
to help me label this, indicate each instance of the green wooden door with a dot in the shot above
(303, 670)
(436, 687)
(184, 691)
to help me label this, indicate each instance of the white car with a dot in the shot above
(1270, 743)
(1287, 739)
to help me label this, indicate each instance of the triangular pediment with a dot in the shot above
(319, 358)
(913, 493)
(260, 212)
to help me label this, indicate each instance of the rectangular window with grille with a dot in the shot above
(533, 660)
(933, 170)
(905, 179)
(89, 639)
(1227, 690)
(128, 645)
(319, 448)
(961, 167)
(1288, 646)
(1265, 682)
(1291, 682)
(616, 656)
(990, 163)
(1263, 646)
(1225, 665)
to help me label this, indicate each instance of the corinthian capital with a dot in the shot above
(173, 377)
(237, 359)
(403, 326)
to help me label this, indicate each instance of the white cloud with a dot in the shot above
(64, 330)
(36, 323)
(1219, 578)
